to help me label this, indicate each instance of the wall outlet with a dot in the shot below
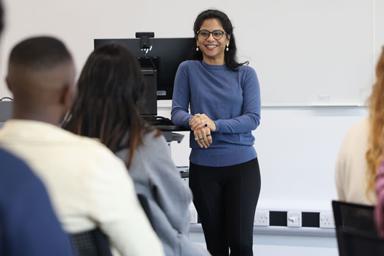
(294, 219)
(326, 220)
(261, 218)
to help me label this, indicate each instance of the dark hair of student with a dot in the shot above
(39, 53)
(109, 88)
(230, 55)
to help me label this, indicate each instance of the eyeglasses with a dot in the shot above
(216, 34)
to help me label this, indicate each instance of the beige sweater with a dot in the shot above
(351, 166)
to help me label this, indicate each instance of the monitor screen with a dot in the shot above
(165, 56)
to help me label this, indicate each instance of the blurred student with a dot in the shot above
(88, 185)
(110, 87)
(362, 149)
(28, 225)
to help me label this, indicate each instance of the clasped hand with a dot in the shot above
(202, 126)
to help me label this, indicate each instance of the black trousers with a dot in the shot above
(225, 200)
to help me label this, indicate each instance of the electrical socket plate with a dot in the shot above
(294, 219)
(261, 218)
(326, 220)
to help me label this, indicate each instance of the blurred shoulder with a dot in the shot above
(359, 129)
(189, 64)
(356, 138)
(247, 69)
(93, 148)
(154, 140)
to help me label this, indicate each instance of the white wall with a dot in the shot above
(78, 22)
(306, 52)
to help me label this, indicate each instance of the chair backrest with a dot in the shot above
(5, 110)
(355, 230)
(91, 243)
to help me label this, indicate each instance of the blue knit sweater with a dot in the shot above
(230, 98)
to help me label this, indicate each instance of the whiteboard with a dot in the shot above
(310, 52)
(306, 53)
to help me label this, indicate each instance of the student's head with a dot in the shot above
(220, 43)
(376, 118)
(109, 88)
(41, 76)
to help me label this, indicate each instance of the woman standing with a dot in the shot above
(224, 100)
(109, 89)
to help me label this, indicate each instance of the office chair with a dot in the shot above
(355, 230)
(91, 243)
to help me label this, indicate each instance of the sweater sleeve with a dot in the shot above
(173, 196)
(168, 196)
(114, 205)
(180, 99)
(250, 118)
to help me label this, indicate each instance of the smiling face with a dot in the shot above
(212, 45)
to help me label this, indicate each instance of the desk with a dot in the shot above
(170, 132)
(172, 136)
